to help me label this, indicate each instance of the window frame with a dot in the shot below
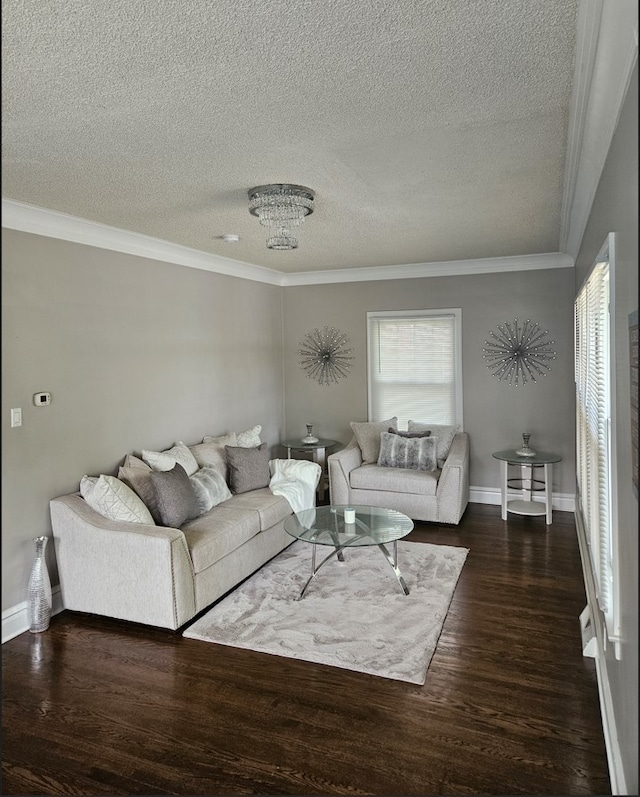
(601, 541)
(456, 313)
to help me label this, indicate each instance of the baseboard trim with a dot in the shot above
(563, 502)
(15, 621)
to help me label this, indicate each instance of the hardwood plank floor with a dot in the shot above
(510, 705)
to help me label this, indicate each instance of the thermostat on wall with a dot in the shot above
(41, 399)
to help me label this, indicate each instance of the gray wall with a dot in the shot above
(139, 353)
(495, 415)
(615, 209)
(136, 353)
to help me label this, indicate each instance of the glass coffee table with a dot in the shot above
(325, 525)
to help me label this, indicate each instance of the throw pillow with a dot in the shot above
(391, 430)
(175, 496)
(139, 480)
(210, 488)
(368, 437)
(248, 468)
(211, 452)
(417, 453)
(113, 499)
(165, 460)
(249, 438)
(131, 461)
(445, 435)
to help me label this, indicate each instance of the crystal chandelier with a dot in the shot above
(282, 208)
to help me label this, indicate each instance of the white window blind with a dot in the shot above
(594, 361)
(414, 366)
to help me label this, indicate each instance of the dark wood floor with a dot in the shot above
(510, 705)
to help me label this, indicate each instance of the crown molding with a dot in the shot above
(51, 223)
(40, 221)
(606, 54)
(450, 268)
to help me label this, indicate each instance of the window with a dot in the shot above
(415, 366)
(595, 430)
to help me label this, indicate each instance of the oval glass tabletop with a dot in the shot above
(325, 525)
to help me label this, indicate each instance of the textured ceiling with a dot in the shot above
(430, 130)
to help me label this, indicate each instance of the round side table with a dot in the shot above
(527, 483)
(319, 452)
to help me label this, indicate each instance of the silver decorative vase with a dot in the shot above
(39, 591)
(309, 438)
(525, 451)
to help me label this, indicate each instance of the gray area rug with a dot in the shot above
(354, 614)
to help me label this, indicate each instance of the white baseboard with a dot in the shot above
(563, 502)
(15, 621)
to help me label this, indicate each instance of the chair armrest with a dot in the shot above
(340, 466)
(452, 492)
(131, 571)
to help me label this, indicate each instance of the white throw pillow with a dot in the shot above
(165, 460)
(249, 438)
(210, 488)
(445, 435)
(114, 500)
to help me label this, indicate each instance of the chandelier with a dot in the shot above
(282, 208)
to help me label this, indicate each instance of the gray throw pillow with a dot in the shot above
(413, 453)
(391, 430)
(175, 496)
(248, 468)
(210, 488)
(368, 437)
(445, 435)
(140, 482)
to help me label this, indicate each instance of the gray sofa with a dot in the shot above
(157, 575)
(440, 496)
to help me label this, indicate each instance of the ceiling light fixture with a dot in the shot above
(281, 207)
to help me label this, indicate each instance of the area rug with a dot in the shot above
(354, 614)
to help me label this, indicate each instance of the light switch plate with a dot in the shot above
(16, 416)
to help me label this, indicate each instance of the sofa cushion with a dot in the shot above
(248, 468)
(140, 482)
(271, 509)
(210, 488)
(445, 435)
(175, 496)
(113, 499)
(219, 532)
(211, 452)
(394, 480)
(165, 460)
(368, 437)
(412, 453)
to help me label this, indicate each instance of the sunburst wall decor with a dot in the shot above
(519, 353)
(324, 355)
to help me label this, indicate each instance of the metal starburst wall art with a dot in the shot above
(518, 353)
(324, 355)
